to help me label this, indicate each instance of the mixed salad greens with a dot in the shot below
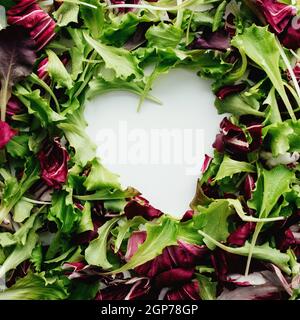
(69, 230)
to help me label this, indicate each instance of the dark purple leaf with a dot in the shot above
(54, 163)
(189, 291)
(285, 239)
(141, 207)
(241, 234)
(6, 133)
(291, 37)
(28, 14)
(184, 255)
(277, 14)
(174, 277)
(14, 106)
(233, 140)
(249, 185)
(42, 70)
(187, 216)
(219, 40)
(228, 90)
(16, 62)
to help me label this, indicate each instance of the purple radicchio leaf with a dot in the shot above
(141, 207)
(14, 106)
(219, 40)
(29, 15)
(135, 240)
(54, 163)
(189, 291)
(206, 163)
(187, 216)
(228, 90)
(233, 140)
(290, 38)
(174, 277)
(249, 186)
(17, 59)
(277, 14)
(184, 255)
(241, 234)
(6, 133)
(128, 289)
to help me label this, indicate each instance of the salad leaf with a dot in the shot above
(66, 13)
(230, 167)
(160, 234)
(261, 46)
(35, 287)
(93, 17)
(101, 178)
(213, 221)
(117, 59)
(17, 59)
(96, 252)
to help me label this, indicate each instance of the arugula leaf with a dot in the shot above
(18, 147)
(17, 59)
(261, 46)
(96, 252)
(74, 130)
(101, 178)
(21, 252)
(219, 16)
(229, 167)
(213, 221)
(239, 105)
(120, 60)
(62, 213)
(38, 106)
(93, 17)
(283, 137)
(22, 210)
(86, 222)
(163, 35)
(57, 71)
(160, 234)
(66, 13)
(36, 287)
(263, 252)
(107, 194)
(124, 228)
(208, 288)
(13, 191)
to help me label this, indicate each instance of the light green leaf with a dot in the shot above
(261, 46)
(93, 17)
(35, 287)
(96, 252)
(22, 210)
(57, 71)
(229, 167)
(86, 222)
(163, 35)
(213, 221)
(120, 60)
(207, 288)
(66, 13)
(160, 234)
(101, 178)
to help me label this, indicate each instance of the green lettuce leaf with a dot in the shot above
(35, 286)
(230, 167)
(96, 252)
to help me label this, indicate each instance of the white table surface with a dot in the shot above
(124, 137)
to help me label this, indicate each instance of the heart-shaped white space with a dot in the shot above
(159, 150)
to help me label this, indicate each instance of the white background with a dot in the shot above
(187, 103)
